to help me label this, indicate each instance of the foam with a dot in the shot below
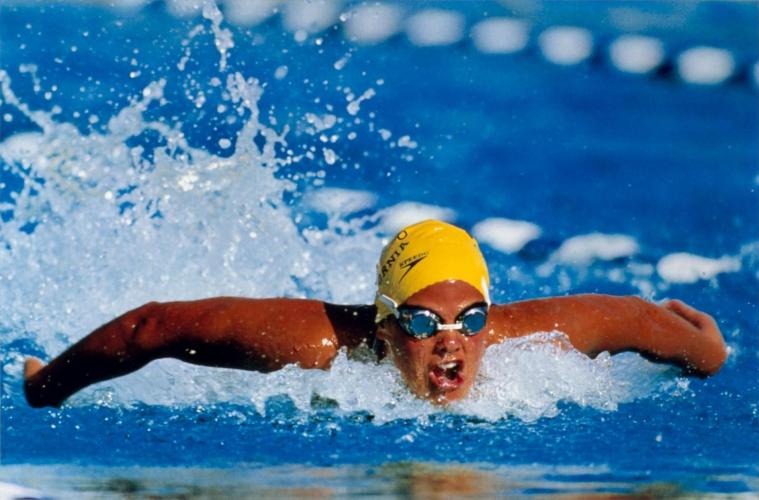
(505, 235)
(705, 65)
(636, 54)
(528, 377)
(500, 35)
(370, 24)
(310, 16)
(689, 268)
(505, 387)
(584, 249)
(566, 45)
(435, 28)
(405, 213)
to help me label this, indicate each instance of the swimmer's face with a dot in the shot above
(443, 367)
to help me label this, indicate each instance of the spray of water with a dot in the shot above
(101, 225)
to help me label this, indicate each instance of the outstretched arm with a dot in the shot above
(252, 334)
(673, 332)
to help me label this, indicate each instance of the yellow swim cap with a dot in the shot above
(426, 253)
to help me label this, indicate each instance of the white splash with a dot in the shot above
(528, 377)
(524, 378)
(222, 36)
(116, 226)
(354, 106)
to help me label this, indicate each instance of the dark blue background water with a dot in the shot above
(575, 150)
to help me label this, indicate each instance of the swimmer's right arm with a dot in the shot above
(252, 334)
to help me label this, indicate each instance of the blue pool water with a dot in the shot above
(144, 159)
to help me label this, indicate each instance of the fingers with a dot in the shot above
(693, 316)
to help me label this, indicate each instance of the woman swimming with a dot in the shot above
(432, 316)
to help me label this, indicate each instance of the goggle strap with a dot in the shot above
(390, 303)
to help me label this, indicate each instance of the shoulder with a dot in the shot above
(353, 324)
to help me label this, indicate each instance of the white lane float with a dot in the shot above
(370, 24)
(585, 248)
(435, 28)
(184, 8)
(705, 66)
(636, 54)
(401, 215)
(500, 35)
(566, 45)
(687, 268)
(339, 201)
(505, 235)
(309, 17)
(245, 13)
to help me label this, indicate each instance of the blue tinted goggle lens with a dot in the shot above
(474, 320)
(421, 323)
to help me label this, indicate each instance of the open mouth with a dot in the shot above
(448, 375)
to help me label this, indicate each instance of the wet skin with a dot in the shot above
(267, 334)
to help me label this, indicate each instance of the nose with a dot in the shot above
(448, 342)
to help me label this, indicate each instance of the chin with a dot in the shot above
(445, 398)
(444, 395)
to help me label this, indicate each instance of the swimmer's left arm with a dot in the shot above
(673, 332)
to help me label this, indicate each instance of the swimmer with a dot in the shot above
(432, 317)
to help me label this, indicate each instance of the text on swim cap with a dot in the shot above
(391, 260)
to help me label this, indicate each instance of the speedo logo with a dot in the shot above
(412, 261)
(391, 259)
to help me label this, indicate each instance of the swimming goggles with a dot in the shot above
(422, 323)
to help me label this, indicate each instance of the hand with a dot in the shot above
(32, 366)
(704, 324)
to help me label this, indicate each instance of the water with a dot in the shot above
(151, 156)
